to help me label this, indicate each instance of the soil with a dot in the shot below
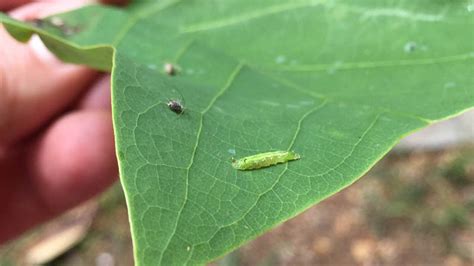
(411, 209)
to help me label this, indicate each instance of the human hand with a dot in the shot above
(56, 138)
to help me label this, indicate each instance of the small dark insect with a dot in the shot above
(176, 106)
(59, 23)
(39, 23)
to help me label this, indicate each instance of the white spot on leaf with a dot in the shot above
(409, 47)
(450, 85)
(401, 13)
(333, 69)
(292, 106)
(306, 103)
(470, 7)
(275, 104)
(152, 66)
(280, 59)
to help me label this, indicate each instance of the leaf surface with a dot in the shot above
(337, 82)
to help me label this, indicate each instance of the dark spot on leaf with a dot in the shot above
(65, 28)
(176, 106)
(38, 23)
(410, 47)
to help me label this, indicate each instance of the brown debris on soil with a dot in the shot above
(411, 209)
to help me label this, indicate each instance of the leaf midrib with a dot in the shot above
(226, 86)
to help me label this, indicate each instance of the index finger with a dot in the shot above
(6, 5)
(115, 2)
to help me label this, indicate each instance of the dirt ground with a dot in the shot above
(411, 209)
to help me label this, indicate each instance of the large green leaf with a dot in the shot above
(339, 82)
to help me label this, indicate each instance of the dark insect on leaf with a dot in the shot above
(176, 106)
(59, 23)
(39, 23)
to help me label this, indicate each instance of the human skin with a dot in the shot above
(56, 138)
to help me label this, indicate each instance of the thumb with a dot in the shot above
(34, 85)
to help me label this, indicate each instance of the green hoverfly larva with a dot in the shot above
(262, 160)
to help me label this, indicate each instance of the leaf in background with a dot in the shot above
(338, 82)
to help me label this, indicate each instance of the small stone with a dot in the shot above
(387, 249)
(322, 246)
(362, 250)
(453, 260)
(344, 223)
(105, 259)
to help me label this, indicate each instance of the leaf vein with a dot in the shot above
(297, 131)
(228, 84)
(134, 19)
(210, 25)
(332, 99)
(367, 65)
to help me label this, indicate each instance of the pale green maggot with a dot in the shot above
(262, 160)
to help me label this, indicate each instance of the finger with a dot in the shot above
(19, 200)
(98, 97)
(9, 4)
(72, 161)
(75, 159)
(39, 9)
(34, 85)
(6, 5)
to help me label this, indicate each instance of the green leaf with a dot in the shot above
(338, 82)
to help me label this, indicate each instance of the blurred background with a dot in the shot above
(415, 207)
